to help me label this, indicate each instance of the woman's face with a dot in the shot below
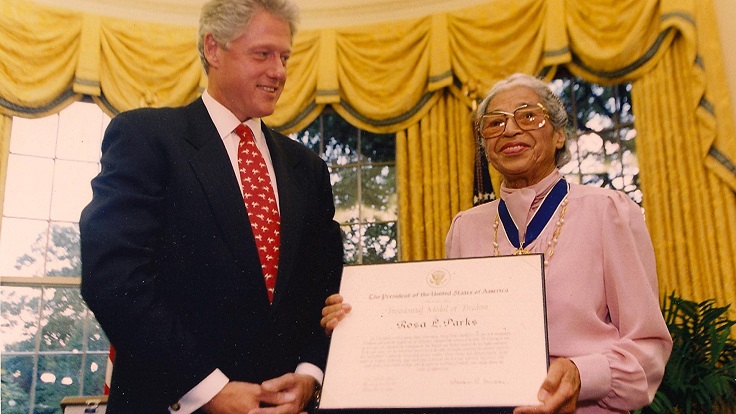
(523, 157)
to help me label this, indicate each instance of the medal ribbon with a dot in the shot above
(540, 219)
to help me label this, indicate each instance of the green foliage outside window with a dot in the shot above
(363, 175)
(69, 355)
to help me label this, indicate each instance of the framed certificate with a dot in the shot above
(460, 335)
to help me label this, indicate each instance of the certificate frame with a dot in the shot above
(456, 335)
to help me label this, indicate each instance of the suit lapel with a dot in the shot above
(214, 172)
(291, 217)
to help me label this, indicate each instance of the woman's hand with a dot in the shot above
(333, 312)
(559, 391)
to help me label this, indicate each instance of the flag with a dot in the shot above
(108, 372)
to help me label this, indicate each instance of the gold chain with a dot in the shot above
(550, 244)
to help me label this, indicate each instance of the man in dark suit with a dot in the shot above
(170, 265)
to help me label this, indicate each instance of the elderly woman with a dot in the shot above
(608, 342)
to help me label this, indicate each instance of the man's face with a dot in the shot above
(248, 75)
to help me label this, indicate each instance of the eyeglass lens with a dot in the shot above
(527, 118)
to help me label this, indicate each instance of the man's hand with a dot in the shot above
(559, 391)
(333, 312)
(235, 398)
(287, 394)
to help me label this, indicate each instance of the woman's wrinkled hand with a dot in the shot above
(559, 391)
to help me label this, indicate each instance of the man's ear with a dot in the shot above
(211, 50)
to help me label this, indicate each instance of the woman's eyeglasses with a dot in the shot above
(527, 117)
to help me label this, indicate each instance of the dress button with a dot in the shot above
(175, 406)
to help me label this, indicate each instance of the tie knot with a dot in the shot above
(244, 132)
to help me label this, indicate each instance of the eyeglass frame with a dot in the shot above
(512, 115)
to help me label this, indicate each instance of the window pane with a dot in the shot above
(94, 374)
(72, 190)
(592, 179)
(311, 136)
(80, 132)
(380, 202)
(28, 187)
(63, 257)
(363, 178)
(17, 380)
(19, 310)
(58, 376)
(64, 313)
(603, 151)
(379, 243)
(351, 242)
(626, 110)
(340, 141)
(96, 339)
(35, 137)
(23, 247)
(590, 153)
(378, 147)
(345, 192)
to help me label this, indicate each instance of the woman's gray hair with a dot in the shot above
(227, 19)
(555, 108)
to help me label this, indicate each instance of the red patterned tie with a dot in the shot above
(260, 202)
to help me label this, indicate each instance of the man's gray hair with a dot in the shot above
(227, 19)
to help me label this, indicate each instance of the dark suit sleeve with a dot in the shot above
(121, 237)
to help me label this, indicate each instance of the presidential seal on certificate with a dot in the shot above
(459, 335)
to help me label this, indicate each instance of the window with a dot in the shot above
(603, 152)
(363, 173)
(51, 344)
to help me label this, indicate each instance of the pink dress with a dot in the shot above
(603, 307)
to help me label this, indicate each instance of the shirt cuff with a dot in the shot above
(595, 376)
(200, 394)
(310, 369)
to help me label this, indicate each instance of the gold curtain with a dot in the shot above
(691, 212)
(405, 77)
(52, 56)
(5, 122)
(434, 182)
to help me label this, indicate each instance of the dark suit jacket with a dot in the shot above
(169, 263)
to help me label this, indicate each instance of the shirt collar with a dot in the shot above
(538, 190)
(225, 121)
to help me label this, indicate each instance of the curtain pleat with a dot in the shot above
(691, 213)
(148, 65)
(5, 123)
(613, 43)
(432, 185)
(37, 66)
(497, 39)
